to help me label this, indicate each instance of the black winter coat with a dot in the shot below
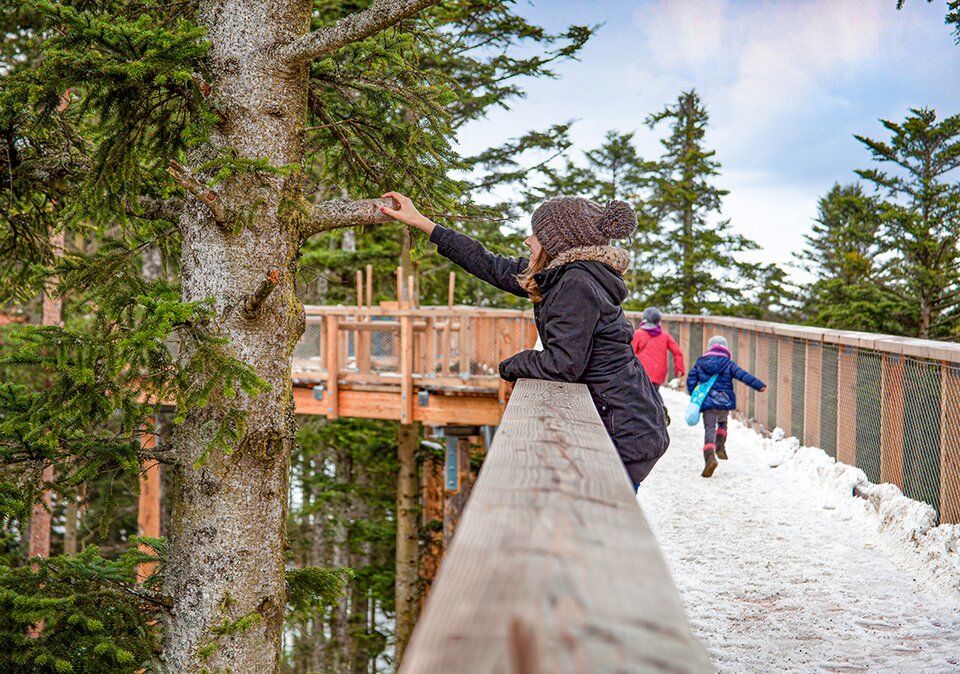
(585, 337)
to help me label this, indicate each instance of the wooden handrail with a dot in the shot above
(553, 567)
(905, 346)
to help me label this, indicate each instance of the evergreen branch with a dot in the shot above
(380, 15)
(338, 213)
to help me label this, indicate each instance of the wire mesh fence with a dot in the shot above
(888, 405)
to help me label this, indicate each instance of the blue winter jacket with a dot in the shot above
(717, 361)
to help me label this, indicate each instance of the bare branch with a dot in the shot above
(339, 213)
(183, 176)
(381, 14)
(254, 301)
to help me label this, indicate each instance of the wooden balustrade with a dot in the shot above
(553, 567)
(431, 364)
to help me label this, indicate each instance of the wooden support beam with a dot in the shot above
(464, 352)
(451, 285)
(369, 286)
(534, 570)
(432, 519)
(408, 538)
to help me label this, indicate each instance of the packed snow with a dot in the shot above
(783, 569)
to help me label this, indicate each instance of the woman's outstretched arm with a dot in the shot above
(465, 251)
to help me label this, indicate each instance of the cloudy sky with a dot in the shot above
(787, 84)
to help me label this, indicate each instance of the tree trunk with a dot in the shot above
(408, 539)
(688, 299)
(228, 538)
(359, 599)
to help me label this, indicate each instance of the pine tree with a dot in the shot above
(217, 93)
(690, 253)
(920, 216)
(847, 255)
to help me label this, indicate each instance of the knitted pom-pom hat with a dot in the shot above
(572, 222)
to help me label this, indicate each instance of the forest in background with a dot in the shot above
(96, 99)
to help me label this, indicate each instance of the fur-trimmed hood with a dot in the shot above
(605, 264)
(616, 258)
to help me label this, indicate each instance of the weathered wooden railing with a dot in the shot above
(888, 405)
(553, 568)
(437, 365)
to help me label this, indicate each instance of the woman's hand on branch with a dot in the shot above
(408, 213)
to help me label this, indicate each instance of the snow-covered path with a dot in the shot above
(778, 575)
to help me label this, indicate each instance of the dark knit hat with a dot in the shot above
(562, 223)
(651, 315)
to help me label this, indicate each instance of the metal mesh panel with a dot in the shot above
(772, 388)
(696, 340)
(896, 418)
(307, 351)
(828, 399)
(921, 431)
(674, 330)
(384, 348)
(868, 414)
(799, 388)
(813, 392)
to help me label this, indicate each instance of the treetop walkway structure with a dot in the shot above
(888, 405)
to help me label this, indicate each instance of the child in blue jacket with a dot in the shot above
(721, 398)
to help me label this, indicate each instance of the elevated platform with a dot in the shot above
(436, 365)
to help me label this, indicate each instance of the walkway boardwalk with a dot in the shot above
(776, 576)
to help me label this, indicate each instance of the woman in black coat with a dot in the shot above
(574, 277)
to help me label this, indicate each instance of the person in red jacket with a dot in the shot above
(650, 343)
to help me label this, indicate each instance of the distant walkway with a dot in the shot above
(775, 579)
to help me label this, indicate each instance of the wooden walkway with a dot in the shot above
(553, 567)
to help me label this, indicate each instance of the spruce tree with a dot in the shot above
(214, 94)
(690, 253)
(920, 216)
(847, 255)
(221, 132)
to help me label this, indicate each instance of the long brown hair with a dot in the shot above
(537, 264)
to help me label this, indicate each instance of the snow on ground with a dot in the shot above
(782, 569)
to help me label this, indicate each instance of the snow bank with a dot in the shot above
(906, 527)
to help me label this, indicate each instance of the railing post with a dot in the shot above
(332, 351)
(891, 419)
(847, 406)
(463, 345)
(406, 368)
(503, 351)
(762, 371)
(950, 444)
